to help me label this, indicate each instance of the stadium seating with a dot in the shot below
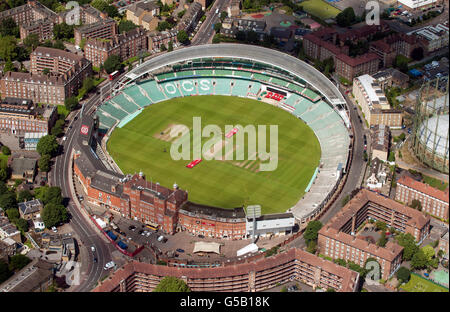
(292, 99)
(258, 76)
(189, 89)
(135, 93)
(279, 82)
(296, 88)
(244, 74)
(204, 72)
(223, 86)
(186, 73)
(205, 91)
(105, 122)
(240, 87)
(153, 91)
(162, 77)
(171, 89)
(314, 97)
(223, 72)
(124, 103)
(113, 111)
(255, 87)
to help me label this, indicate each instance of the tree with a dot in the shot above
(6, 150)
(172, 284)
(407, 241)
(13, 214)
(18, 262)
(383, 240)
(170, 46)
(223, 15)
(183, 37)
(31, 41)
(44, 163)
(47, 145)
(50, 195)
(71, 103)
(181, 13)
(380, 225)
(59, 45)
(3, 175)
(5, 273)
(403, 275)
(54, 214)
(112, 63)
(391, 156)
(217, 27)
(125, 26)
(163, 47)
(311, 231)
(416, 204)
(9, 66)
(24, 196)
(45, 71)
(58, 127)
(63, 31)
(8, 27)
(216, 38)
(401, 62)
(8, 51)
(331, 290)
(312, 247)
(428, 251)
(88, 84)
(346, 18)
(22, 225)
(419, 260)
(112, 11)
(8, 201)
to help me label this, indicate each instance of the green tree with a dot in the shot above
(54, 214)
(419, 260)
(88, 84)
(59, 45)
(24, 195)
(6, 150)
(223, 15)
(63, 31)
(8, 200)
(71, 103)
(44, 163)
(331, 290)
(172, 284)
(311, 231)
(217, 27)
(312, 247)
(407, 241)
(5, 273)
(125, 26)
(9, 66)
(181, 13)
(8, 27)
(380, 225)
(112, 11)
(183, 37)
(22, 225)
(58, 127)
(47, 145)
(45, 71)
(383, 240)
(3, 175)
(8, 45)
(391, 156)
(403, 275)
(170, 46)
(216, 38)
(49, 195)
(18, 262)
(112, 63)
(346, 18)
(428, 251)
(13, 214)
(416, 204)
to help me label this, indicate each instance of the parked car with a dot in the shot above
(93, 248)
(180, 250)
(54, 230)
(201, 236)
(95, 260)
(109, 265)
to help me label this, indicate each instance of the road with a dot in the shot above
(83, 227)
(206, 31)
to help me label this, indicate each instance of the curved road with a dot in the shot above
(81, 225)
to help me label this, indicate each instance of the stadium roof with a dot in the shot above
(250, 52)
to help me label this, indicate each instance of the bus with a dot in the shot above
(114, 75)
(152, 226)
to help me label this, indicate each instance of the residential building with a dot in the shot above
(144, 14)
(374, 104)
(339, 239)
(379, 177)
(20, 116)
(23, 168)
(391, 77)
(350, 67)
(257, 275)
(281, 34)
(31, 139)
(38, 224)
(9, 230)
(156, 39)
(33, 18)
(67, 72)
(103, 29)
(230, 27)
(435, 37)
(37, 276)
(235, 8)
(381, 137)
(30, 209)
(125, 45)
(8, 248)
(190, 18)
(433, 200)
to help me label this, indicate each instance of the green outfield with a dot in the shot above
(420, 284)
(144, 145)
(320, 8)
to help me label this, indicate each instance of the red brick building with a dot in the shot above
(257, 275)
(433, 200)
(338, 238)
(351, 67)
(124, 45)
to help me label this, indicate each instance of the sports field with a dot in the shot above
(320, 8)
(419, 284)
(144, 144)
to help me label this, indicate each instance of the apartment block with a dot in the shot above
(156, 39)
(435, 37)
(144, 14)
(124, 45)
(433, 200)
(374, 104)
(339, 239)
(190, 18)
(104, 29)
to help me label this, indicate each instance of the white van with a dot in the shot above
(160, 238)
(109, 265)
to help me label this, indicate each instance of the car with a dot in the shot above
(95, 260)
(64, 138)
(132, 228)
(54, 230)
(143, 233)
(81, 198)
(201, 236)
(70, 127)
(93, 248)
(76, 117)
(148, 234)
(180, 250)
(160, 239)
(109, 265)
(140, 232)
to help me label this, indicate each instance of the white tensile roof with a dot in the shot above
(207, 247)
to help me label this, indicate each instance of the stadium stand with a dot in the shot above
(153, 91)
(135, 93)
(165, 76)
(243, 74)
(255, 87)
(124, 103)
(113, 111)
(188, 87)
(258, 76)
(223, 72)
(204, 72)
(205, 88)
(311, 95)
(186, 73)
(172, 89)
(240, 87)
(223, 86)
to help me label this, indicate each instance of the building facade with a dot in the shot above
(294, 264)
(433, 200)
(338, 239)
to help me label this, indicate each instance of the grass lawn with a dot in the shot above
(62, 110)
(226, 184)
(320, 8)
(435, 183)
(419, 284)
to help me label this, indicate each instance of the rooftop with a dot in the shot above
(424, 188)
